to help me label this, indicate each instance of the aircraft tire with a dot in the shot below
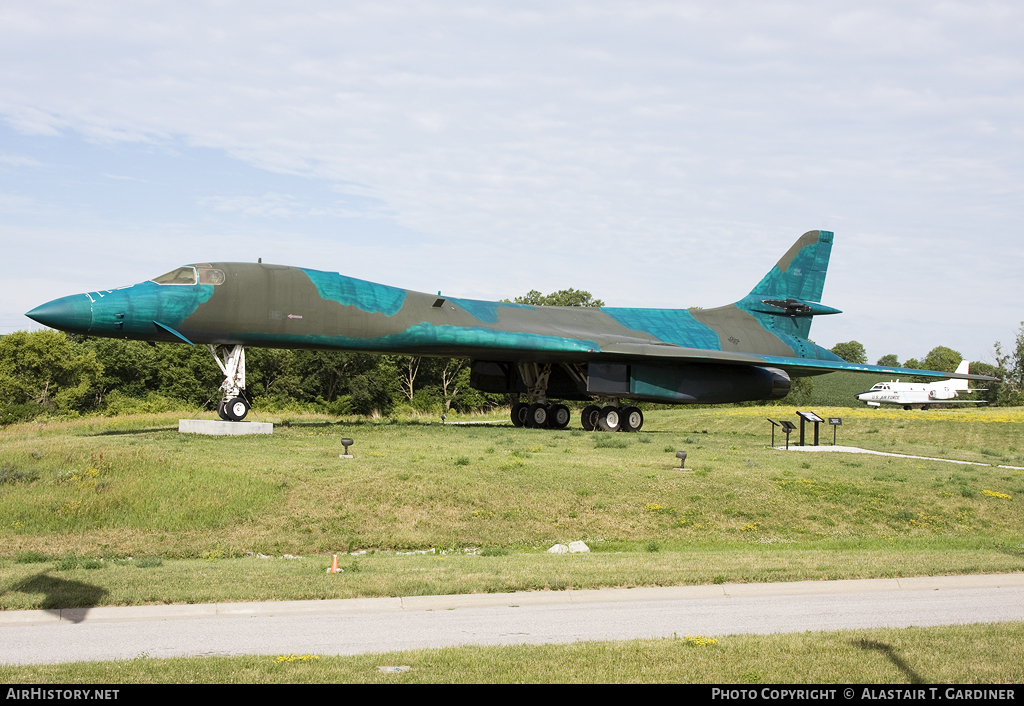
(558, 416)
(222, 411)
(519, 414)
(537, 416)
(907, 407)
(589, 417)
(632, 419)
(610, 419)
(236, 408)
(924, 407)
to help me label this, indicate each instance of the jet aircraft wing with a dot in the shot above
(666, 352)
(802, 366)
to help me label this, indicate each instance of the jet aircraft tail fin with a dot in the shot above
(955, 384)
(800, 274)
(790, 294)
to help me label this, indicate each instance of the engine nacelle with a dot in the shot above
(693, 384)
(942, 393)
(713, 383)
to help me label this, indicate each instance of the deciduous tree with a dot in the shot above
(942, 358)
(563, 297)
(851, 352)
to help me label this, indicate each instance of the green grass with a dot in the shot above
(967, 654)
(73, 493)
(58, 584)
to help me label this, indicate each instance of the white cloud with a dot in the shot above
(18, 161)
(655, 153)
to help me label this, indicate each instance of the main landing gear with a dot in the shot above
(540, 416)
(231, 360)
(612, 418)
(540, 413)
(594, 418)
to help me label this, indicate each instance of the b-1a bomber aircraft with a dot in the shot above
(916, 395)
(612, 357)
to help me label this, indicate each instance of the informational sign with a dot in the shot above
(835, 422)
(809, 417)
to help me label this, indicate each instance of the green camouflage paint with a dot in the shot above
(288, 307)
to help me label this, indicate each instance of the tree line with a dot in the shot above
(50, 372)
(1008, 366)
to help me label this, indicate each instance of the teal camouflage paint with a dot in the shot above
(253, 304)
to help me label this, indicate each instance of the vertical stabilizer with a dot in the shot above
(800, 274)
(963, 369)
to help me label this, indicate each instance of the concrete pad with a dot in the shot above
(581, 596)
(142, 612)
(486, 600)
(371, 606)
(855, 450)
(216, 427)
(29, 617)
(336, 606)
(798, 588)
(935, 583)
(647, 593)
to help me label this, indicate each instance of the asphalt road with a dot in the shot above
(358, 626)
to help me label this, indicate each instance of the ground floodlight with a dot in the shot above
(681, 455)
(346, 443)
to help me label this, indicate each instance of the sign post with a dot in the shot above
(835, 422)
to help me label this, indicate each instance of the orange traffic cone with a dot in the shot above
(334, 567)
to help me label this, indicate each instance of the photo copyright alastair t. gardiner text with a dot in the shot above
(973, 694)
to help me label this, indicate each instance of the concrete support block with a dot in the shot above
(213, 427)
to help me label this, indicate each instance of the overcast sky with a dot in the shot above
(654, 154)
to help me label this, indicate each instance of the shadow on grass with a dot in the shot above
(61, 594)
(123, 432)
(371, 423)
(289, 423)
(891, 655)
(1011, 551)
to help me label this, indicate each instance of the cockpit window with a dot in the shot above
(203, 274)
(182, 275)
(209, 275)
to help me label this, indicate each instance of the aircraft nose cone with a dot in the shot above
(72, 314)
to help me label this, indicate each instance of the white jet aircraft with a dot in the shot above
(917, 394)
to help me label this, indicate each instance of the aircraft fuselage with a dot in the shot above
(291, 307)
(747, 350)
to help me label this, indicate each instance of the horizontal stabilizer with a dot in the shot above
(792, 307)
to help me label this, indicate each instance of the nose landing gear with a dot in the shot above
(231, 360)
(233, 409)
